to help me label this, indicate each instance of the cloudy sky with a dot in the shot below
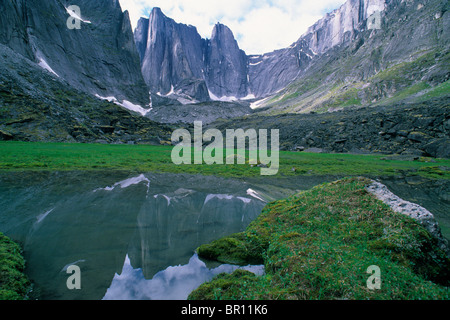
(260, 26)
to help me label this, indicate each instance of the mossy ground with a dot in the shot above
(319, 244)
(14, 285)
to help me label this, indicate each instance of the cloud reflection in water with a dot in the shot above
(173, 283)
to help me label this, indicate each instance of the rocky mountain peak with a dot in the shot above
(221, 31)
(226, 65)
(172, 61)
(156, 11)
(178, 63)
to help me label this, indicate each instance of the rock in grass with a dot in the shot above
(413, 210)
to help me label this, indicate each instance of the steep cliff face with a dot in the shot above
(173, 59)
(141, 37)
(177, 62)
(352, 44)
(226, 65)
(13, 31)
(271, 72)
(99, 58)
(341, 25)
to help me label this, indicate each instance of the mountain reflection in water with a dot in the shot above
(153, 222)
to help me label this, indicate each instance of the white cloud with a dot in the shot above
(259, 25)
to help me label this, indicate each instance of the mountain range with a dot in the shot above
(57, 82)
(360, 40)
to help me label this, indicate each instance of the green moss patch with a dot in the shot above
(14, 285)
(235, 249)
(319, 244)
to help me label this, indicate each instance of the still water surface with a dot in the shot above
(134, 235)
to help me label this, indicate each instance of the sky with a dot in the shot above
(259, 26)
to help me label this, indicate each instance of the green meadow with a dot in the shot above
(35, 156)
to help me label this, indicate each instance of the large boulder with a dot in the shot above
(439, 148)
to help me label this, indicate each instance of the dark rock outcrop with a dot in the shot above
(37, 106)
(99, 58)
(411, 130)
(207, 112)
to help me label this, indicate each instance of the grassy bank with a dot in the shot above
(14, 285)
(17, 156)
(319, 244)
